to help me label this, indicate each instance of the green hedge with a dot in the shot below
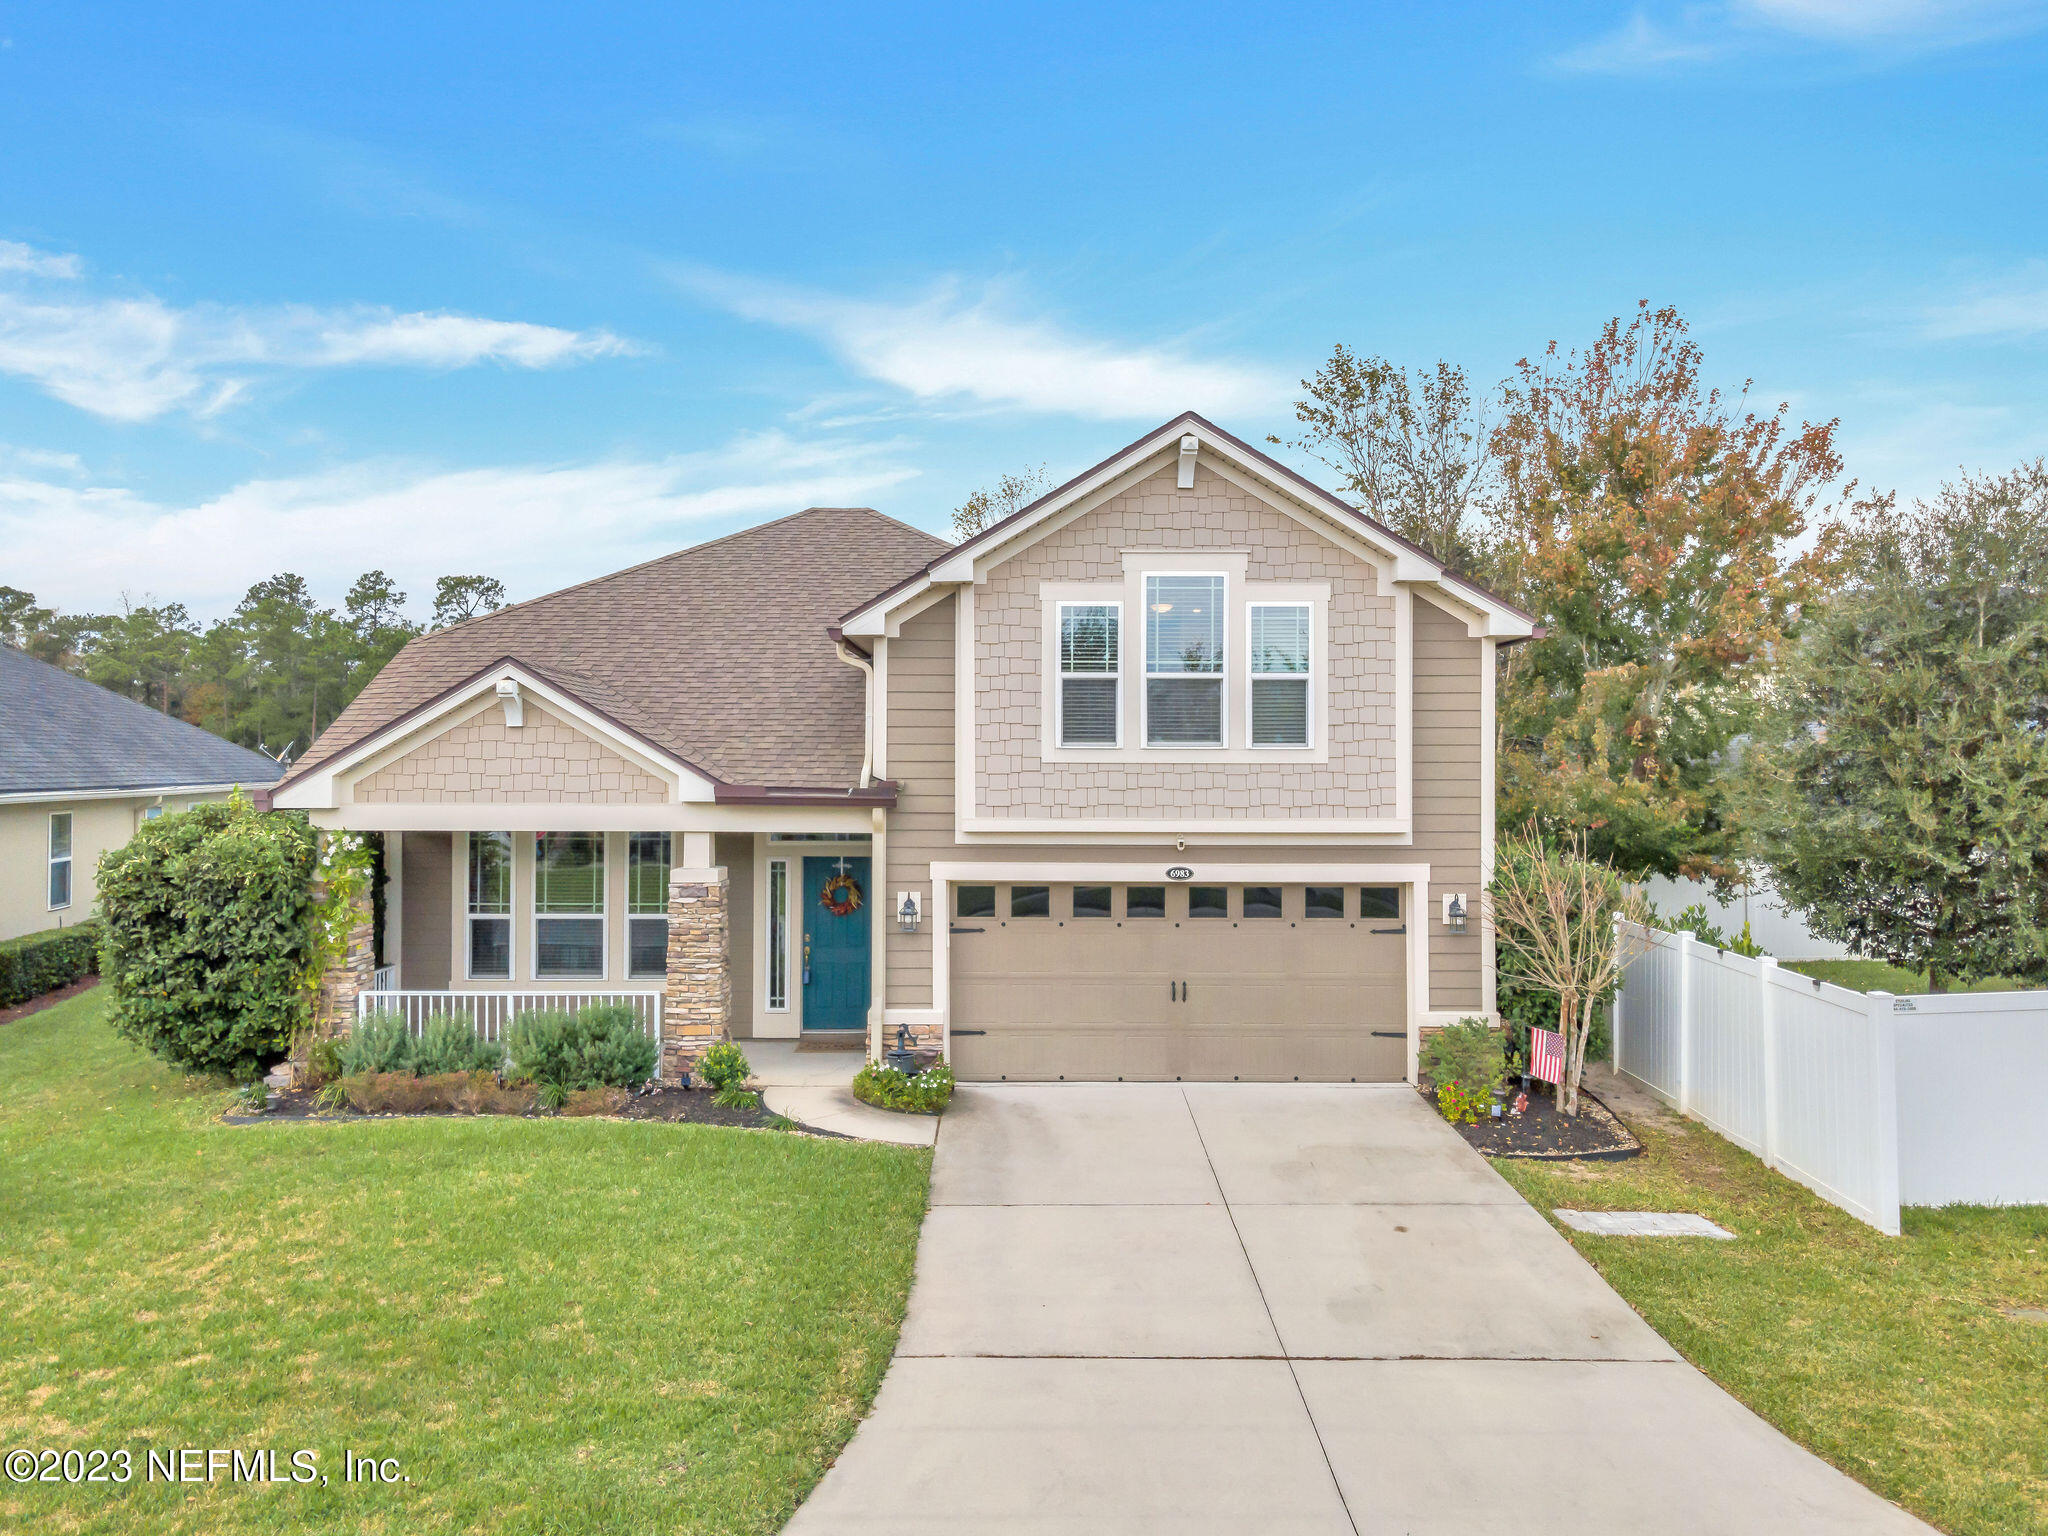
(37, 963)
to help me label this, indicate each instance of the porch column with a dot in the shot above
(334, 1006)
(696, 1006)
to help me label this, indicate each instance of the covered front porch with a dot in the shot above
(754, 934)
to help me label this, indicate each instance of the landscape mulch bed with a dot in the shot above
(48, 999)
(691, 1106)
(1541, 1132)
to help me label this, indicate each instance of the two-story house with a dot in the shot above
(1183, 771)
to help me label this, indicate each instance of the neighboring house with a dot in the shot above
(80, 769)
(1183, 771)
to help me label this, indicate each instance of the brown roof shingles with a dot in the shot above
(717, 655)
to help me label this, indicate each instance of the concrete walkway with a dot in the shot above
(1282, 1309)
(813, 1088)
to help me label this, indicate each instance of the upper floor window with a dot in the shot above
(60, 859)
(1279, 674)
(490, 905)
(1184, 661)
(568, 904)
(647, 861)
(1090, 674)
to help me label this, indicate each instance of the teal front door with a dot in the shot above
(836, 944)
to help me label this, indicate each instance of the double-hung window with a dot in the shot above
(60, 859)
(647, 860)
(1090, 683)
(1280, 674)
(490, 906)
(1184, 661)
(568, 904)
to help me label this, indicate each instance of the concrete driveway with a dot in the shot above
(1242, 1308)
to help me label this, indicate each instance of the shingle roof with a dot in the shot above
(59, 732)
(717, 654)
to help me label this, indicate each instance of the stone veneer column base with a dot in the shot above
(334, 1004)
(696, 1005)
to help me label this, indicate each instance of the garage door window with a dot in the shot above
(1324, 901)
(976, 901)
(1262, 901)
(1030, 901)
(1208, 901)
(1091, 901)
(1379, 901)
(1145, 901)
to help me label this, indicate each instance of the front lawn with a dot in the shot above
(1881, 976)
(1888, 1356)
(552, 1325)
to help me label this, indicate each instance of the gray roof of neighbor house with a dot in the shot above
(717, 655)
(60, 733)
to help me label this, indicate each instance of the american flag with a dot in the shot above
(1546, 1054)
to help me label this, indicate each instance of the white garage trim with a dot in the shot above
(1005, 872)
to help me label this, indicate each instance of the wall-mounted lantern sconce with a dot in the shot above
(1454, 913)
(908, 913)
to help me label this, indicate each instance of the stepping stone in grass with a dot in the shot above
(1643, 1224)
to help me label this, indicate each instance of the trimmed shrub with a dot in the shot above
(211, 935)
(603, 1046)
(37, 963)
(925, 1094)
(400, 1093)
(379, 1043)
(724, 1066)
(485, 1095)
(597, 1101)
(449, 1043)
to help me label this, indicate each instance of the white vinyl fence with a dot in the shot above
(1871, 1101)
(493, 1012)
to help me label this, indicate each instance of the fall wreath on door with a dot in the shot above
(841, 896)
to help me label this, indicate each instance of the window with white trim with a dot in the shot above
(1279, 674)
(1091, 682)
(60, 859)
(778, 935)
(647, 865)
(1184, 660)
(568, 905)
(490, 906)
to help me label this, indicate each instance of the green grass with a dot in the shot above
(1887, 1356)
(1880, 976)
(559, 1325)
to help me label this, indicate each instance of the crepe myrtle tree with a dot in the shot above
(1561, 916)
(1898, 789)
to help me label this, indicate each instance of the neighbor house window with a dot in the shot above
(1090, 686)
(647, 861)
(60, 859)
(1279, 673)
(568, 904)
(778, 935)
(1184, 661)
(490, 905)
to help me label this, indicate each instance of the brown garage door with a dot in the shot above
(1179, 981)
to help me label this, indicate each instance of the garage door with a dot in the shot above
(1271, 983)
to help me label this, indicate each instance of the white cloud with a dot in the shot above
(134, 358)
(2008, 308)
(534, 527)
(1695, 34)
(950, 346)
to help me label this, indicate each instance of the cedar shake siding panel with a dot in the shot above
(426, 938)
(1357, 781)
(1446, 809)
(544, 761)
(920, 759)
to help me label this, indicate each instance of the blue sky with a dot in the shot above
(506, 290)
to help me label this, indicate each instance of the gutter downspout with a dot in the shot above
(853, 656)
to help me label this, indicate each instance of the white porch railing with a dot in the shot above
(493, 1012)
(384, 979)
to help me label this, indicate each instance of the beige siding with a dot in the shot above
(545, 760)
(97, 826)
(920, 758)
(426, 946)
(1447, 703)
(736, 852)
